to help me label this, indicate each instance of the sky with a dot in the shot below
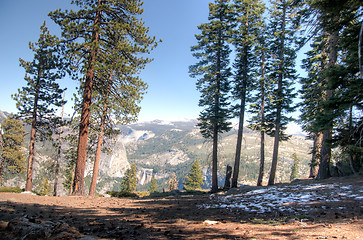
(172, 93)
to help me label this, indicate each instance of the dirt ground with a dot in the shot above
(25, 216)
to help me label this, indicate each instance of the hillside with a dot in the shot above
(165, 147)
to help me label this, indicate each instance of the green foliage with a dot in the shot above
(12, 140)
(122, 194)
(11, 189)
(129, 181)
(153, 187)
(38, 100)
(213, 70)
(195, 178)
(44, 188)
(295, 167)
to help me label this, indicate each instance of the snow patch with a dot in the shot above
(288, 198)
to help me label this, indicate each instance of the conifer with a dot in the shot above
(248, 23)
(153, 186)
(86, 35)
(213, 71)
(37, 100)
(129, 181)
(195, 178)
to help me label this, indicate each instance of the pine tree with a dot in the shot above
(12, 139)
(213, 68)
(118, 91)
(37, 100)
(153, 186)
(259, 99)
(312, 93)
(129, 181)
(86, 32)
(295, 167)
(195, 178)
(339, 21)
(283, 30)
(248, 20)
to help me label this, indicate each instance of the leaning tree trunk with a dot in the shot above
(92, 190)
(78, 184)
(271, 180)
(237, 158)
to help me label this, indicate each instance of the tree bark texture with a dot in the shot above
(78, 184)
(96, 165)
(325, 157)
(29, 175)
(314, 167)
(262, 119)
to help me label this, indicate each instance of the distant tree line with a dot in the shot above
(261, 79)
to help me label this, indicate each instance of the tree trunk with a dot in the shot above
(78, 184)
(360, 47)
(215, 161)
(262, 140)
(92, 189)
(314, 167)
(237, 158)
(227, 183)
(271, 180)
(324, 171)
(58, 154)
(29, 175)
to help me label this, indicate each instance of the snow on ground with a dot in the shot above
(296, 198)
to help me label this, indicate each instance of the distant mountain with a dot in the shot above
(168, 147)
(3, 115)
(162, 148)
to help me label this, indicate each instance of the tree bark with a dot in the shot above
(227, 182)
(314, 167)
(29, 175)
(78, 184)
(237, 158)
(271, 180)
(262, 140)
(325, 157)
(92, 190)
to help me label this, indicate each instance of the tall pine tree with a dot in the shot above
(85, 33)
(248, 20)
(214, 72)
(283, 29)
(37, 100)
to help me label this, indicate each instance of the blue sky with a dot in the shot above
(171, 93)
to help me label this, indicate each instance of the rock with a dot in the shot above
(37, 229)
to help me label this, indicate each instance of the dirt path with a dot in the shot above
(174, 217)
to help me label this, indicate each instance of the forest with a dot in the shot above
(245, 63)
